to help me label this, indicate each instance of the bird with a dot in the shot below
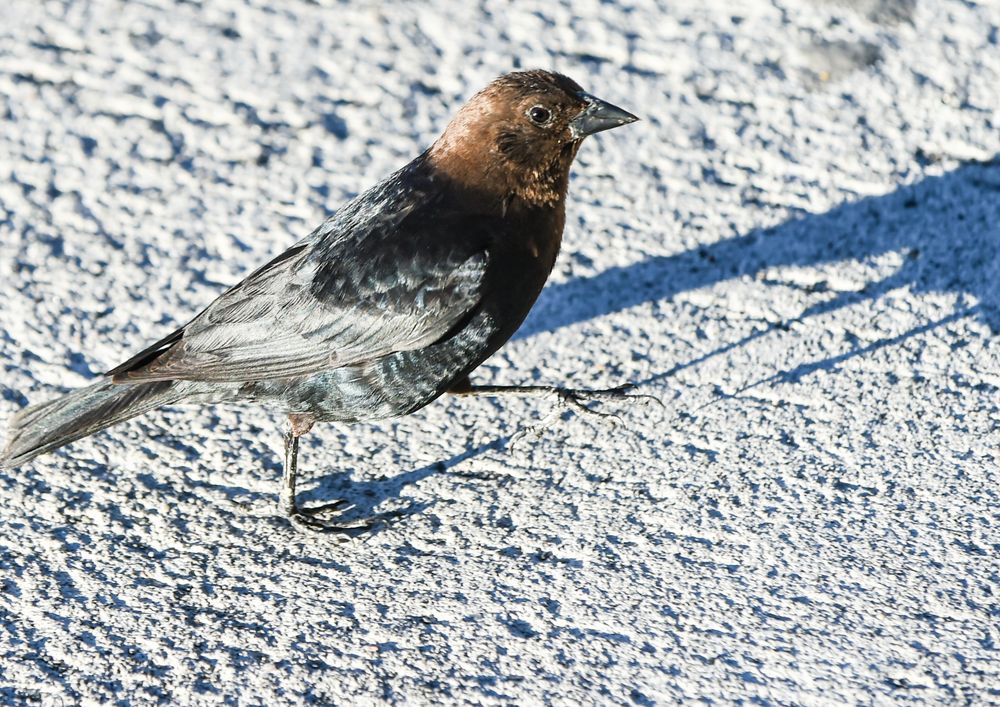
(389, 304)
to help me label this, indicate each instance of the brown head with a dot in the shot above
(516, 139)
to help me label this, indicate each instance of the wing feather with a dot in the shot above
(357, 289)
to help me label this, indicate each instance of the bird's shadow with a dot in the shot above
(362, 511)
(946, 228)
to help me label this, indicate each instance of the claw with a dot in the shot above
(576, 399)
(533, 431)
(322, 508)
(305, 524)
(305, 520)
(620, 392)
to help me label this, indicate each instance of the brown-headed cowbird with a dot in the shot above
(390, 303)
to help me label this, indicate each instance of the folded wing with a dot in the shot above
(355, 290)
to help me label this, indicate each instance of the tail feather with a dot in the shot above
(44, 427)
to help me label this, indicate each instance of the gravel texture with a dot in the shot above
(797, 250)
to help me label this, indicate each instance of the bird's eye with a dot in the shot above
(539, 115)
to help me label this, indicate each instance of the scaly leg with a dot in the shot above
(300, 518)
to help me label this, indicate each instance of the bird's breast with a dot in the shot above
(519, 266)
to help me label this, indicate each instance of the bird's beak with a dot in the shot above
(597, 116)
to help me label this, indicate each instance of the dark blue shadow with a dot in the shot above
(947, 227)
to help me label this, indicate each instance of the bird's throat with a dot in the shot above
(497, 184)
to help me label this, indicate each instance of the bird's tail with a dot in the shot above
(41, 428)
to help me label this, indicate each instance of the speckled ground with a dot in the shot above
(797, 250)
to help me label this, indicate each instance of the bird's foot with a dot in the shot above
(575, 400)
(309, 520)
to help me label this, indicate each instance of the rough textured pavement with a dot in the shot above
(797, 250)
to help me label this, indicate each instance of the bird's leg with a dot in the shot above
(300, 518)
(286, 502)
